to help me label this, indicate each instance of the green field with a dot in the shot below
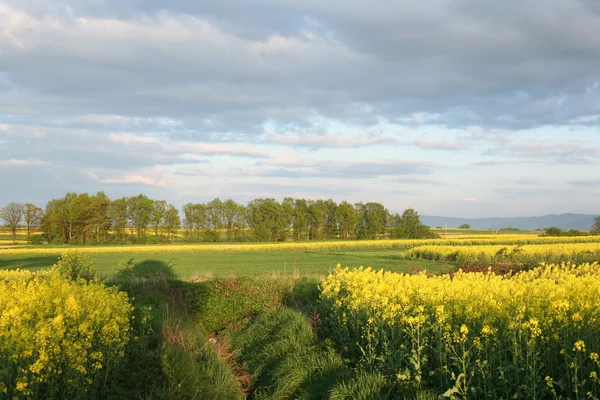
(205, 265)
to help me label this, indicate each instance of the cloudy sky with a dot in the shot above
(454, 107)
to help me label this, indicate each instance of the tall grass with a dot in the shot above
(280, 350)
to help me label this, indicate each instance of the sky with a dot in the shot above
(464, 108)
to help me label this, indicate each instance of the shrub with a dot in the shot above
(37, 239)
(74, 266)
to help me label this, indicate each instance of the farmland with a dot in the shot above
(209, 264)
(280, 320)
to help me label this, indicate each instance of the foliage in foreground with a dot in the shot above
(59, 337)
(478, 335)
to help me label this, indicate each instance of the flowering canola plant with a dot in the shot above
(472, 335)
(58, 336)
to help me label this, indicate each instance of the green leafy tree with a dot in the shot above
(118, 218)
(465, 226)
(78, 214)
(214, 217)
(345, 216)
(33, 218)
(195, 220)
(553, 231)
(300, 219)
(232, 214)
(98, 223)
(171, 222)
(140, 210)
(331, 229)
(266, 219)
(409, 226)
(372, 220)
(317, 217)
(54, 222)
(13, 215)
(287, 207)
(159, 208)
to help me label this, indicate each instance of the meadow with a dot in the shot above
(190, 265)
(372, 319)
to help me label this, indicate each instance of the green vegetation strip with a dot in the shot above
(197, 266)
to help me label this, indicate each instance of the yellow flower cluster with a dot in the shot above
(400, 244)
(555, 252)
(57, 333)
(500, 334)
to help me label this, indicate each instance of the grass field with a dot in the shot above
(208, 264)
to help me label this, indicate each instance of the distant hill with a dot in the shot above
(563, 221)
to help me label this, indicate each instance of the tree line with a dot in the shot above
(83, 219)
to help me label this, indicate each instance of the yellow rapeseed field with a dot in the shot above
(529, 253)
(473, 335)
(400, 244)
(58, 334)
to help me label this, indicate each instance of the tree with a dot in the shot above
(409, 226)
(266, 219)
(171, 222)
(33, 218)
(54, 223)
(231, 216)
(287, 207)
(596, 226)
(214, 217)
(117, 216)
(331, 229)
(553, 231)
(300, 219)
(13, 214)
(99, 221)
(345, 216)
(140, 213)
(194, 220)
(372, 220)
(317, 217)
(465, 226)
(159, 208)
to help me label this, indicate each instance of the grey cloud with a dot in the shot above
(82, 148)
(592, 183)
(350, 170)
(439, 145)
(491, 163)
(521, 193)
(248, 191)
(227, 67)
(567, 152)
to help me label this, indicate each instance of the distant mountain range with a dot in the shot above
(563, 221)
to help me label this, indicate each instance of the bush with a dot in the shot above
(75, 266)
(224, 303)
(37, 239)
